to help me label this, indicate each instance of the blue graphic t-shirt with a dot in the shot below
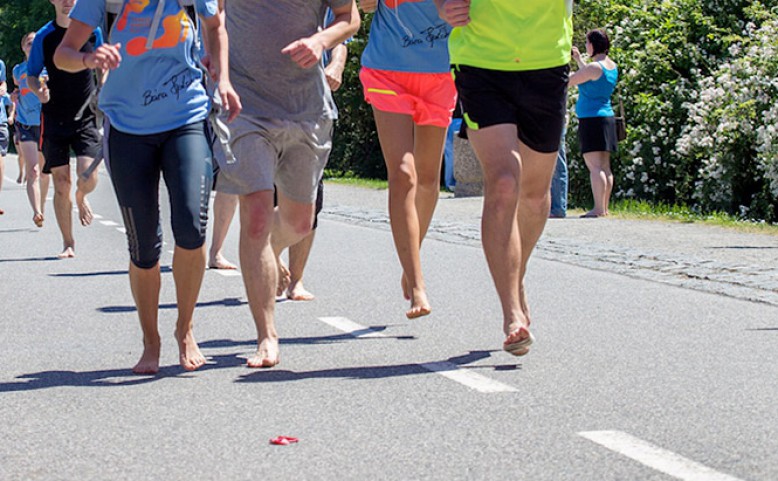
(158, 89)
(408, 36)
(5, 101)
(28, 110)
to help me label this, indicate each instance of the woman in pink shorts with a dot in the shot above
(405, 76)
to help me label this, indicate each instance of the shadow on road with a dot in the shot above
(225, 343)
(163, 270)
(227, 301)
(365, 372)
(125, 377)
(32, 259)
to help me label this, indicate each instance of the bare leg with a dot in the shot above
(428, 152)
(497, 149)
(30, 151)
(537, 169)
(84, 187)
(224, 206)
(22, 164)
(396, 133)
(145, 285)
(63, 207)
(2, 173)
(298, 257)
(606, 166)
(292, 223)
(599, 181)
(188, 270)
(258, 263)
(45, 180)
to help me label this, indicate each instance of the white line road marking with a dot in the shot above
(472, 380)
(350, 327)
(108, 222)
(122, 230)
(448, 370)
(97, 216)
(655, 457)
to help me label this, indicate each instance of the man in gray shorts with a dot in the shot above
(282, 136)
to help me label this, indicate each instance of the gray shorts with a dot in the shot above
(288, 154)
(4, 139)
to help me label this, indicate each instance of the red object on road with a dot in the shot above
(284, 440)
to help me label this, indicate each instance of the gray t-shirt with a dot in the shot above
(269, 83)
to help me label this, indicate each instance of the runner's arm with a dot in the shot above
(307, 52)
(334, 70)
(68, 56)
(11, 113)
(217, 45)
(455, 12)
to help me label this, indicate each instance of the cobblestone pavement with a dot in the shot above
(705, 258)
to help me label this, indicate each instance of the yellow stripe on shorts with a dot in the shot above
(470, 124)
(382, 91)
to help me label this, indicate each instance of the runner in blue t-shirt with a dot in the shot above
(3, 84)
(5, 116)
(28, 131)
(156, 108)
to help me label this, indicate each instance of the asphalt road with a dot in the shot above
(630, 379)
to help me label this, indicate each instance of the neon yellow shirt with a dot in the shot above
(514, 35)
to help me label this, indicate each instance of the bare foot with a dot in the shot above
(219, 262)
(149, 361)
(297, 292)
(592, 214)
(38, 219)
(84, 209)
(67, 253)
(189, 355)
(518, 342)
(420, 306)
(518, 339)
(267, 354)
(284, 278)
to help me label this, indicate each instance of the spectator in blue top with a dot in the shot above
(596, 123)
(28, 131)
(156, 108)
(406, 79)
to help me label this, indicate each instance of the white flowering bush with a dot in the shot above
(697, 78)
(732, 127)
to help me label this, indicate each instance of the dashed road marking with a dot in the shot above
(122, 230)
(446, 369)
(655, 457)
(109, 223)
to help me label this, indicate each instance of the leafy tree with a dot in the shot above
(18, 17)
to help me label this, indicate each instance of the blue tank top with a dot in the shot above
(594, 96)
